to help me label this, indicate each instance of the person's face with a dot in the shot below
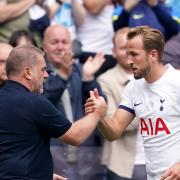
(138, 58)
(39, 75)
(119, 51)
(57, 43)
(4, 53)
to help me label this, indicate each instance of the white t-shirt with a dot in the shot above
(36, 12)
(140, 156)
(157, 106)
(96, 32)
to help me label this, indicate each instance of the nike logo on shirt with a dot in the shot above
(137, 104)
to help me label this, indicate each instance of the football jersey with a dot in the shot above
(157, 106)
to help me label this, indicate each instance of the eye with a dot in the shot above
(133, 54)
(53, 42)
(43, 69)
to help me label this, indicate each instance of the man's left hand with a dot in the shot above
(173, 173)
(92, 65)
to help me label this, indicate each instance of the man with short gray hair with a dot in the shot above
(28, 120)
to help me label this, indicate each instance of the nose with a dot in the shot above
(129, 59)
(46, 75)
(60, 45)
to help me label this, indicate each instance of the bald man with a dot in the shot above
(5, 50)
(67, 86)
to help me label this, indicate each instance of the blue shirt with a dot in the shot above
(27, 122)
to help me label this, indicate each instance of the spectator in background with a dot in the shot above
(173, 7)
(147, 12)
(172, 52)
(124, 157)
(96, 32)
(22, 37)
(69, 13)
(13, 16)
(67, 86)
(5, 50)
(39, 20)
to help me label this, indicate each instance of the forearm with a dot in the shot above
(81, 129)
(11, 11)
(113, 127)
(78, 11)
(108, 129)
(52, 9)
(112, 106)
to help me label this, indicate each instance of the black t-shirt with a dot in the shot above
(27, 122)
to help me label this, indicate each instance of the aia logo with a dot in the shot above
(153, 128)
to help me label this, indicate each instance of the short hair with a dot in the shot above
(20, 57)
(123, 30)
(16, 35)
(151, 37)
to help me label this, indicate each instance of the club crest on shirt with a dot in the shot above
(161, 106)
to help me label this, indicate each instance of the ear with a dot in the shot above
(154, 55)
(27, 73)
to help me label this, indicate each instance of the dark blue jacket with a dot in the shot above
(27, 122)
(170, 26)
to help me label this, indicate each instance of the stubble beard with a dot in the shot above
(142, 73)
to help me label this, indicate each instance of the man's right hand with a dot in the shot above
(66, 64)
(96, 104)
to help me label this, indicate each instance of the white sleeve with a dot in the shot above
(127, 101)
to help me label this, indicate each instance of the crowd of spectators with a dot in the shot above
(79, 38)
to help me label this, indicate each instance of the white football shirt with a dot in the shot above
(157, 106)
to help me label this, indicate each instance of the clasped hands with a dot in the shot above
(96, 104)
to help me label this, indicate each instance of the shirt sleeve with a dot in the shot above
(48, 119)
(127, 102)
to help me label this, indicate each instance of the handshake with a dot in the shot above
(96, 104)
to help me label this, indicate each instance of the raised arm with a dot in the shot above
(78, 11)
(13, 10)
(111, 128)
(123, 19)
(92, 65)
(81, 129)
(165, 18)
